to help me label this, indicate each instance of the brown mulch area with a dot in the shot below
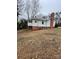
(41, 44)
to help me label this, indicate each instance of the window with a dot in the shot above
(35, 21)
(42, 22)
(30, 21)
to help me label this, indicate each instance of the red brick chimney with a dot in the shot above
(51, 21)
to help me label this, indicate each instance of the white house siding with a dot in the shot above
(39, 23)
(48, 23)
(29, 24)
(42, 25)
(33, 23)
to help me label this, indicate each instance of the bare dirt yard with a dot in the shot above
(40, 44)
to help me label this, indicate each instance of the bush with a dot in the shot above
(22, 24)
(57, 25)
(18, 25)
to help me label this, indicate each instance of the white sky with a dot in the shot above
(48, 6)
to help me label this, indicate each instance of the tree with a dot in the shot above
(27, 8)
(22, 24)
(20, 6)
(35, 8)
(32, 8)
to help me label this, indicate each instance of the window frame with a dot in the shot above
(30, 21)
(42, 22)
(35, 21)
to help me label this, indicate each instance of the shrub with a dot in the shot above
(56, 25)
(22, 24)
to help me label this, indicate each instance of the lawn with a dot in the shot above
(40, 44)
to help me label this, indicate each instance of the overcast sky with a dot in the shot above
(48, 6)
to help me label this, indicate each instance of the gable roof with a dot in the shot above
(41, 18)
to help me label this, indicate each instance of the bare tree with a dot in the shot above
(35, 8)
(32, 8)
(20, 6)
(27, 8)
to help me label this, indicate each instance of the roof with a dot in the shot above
(41, 18)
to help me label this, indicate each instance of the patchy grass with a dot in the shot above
(41, 44)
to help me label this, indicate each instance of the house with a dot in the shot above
(42, 22)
